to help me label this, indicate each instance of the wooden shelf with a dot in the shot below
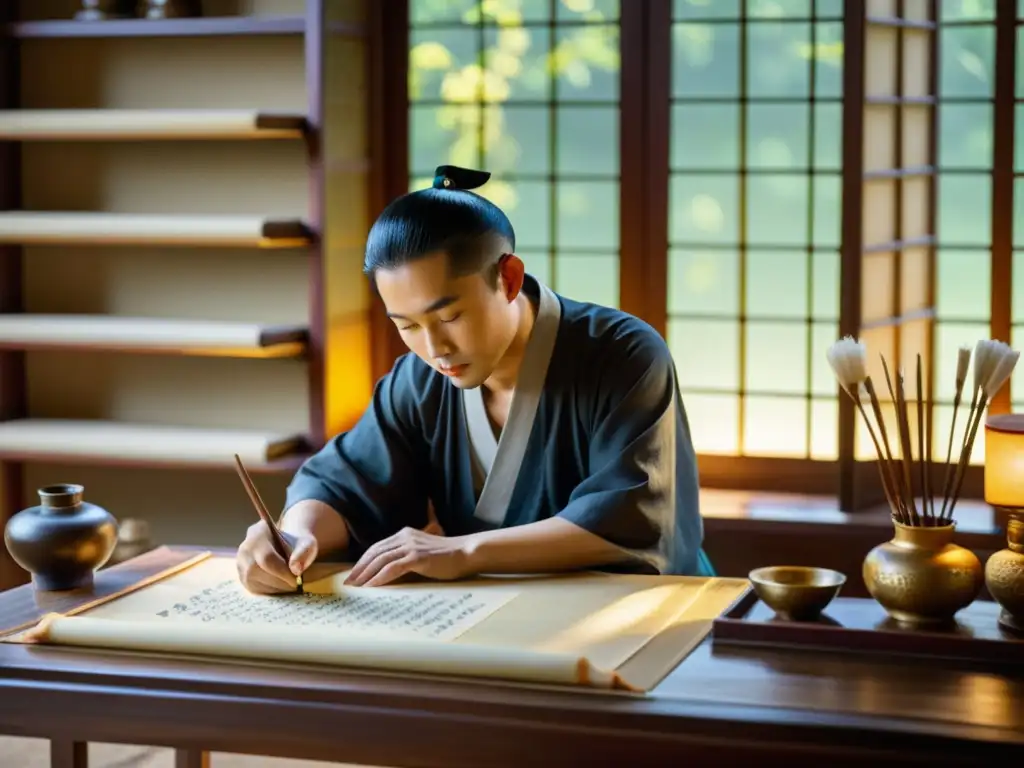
(169, 336)
(210, 26)
(147, 124)
(115, 443)
(54, 228)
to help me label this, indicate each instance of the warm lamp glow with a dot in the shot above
(1004, 460)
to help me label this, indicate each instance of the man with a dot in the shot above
(548, 434)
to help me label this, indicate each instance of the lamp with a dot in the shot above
(1004, 490)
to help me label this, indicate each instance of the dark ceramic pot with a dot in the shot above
(63, 541)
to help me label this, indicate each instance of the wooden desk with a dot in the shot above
(740, 707)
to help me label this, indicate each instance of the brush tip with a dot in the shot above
(848, 359)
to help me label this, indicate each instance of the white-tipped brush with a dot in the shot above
(963, 361)
(998, 361)
(1001, 373)
(993, 364)
(987, 355)
(848, 359)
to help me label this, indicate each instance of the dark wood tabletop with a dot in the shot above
(717, 707)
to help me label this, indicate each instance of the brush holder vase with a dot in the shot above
(1004, 575)
(921, 577)
(63, 541)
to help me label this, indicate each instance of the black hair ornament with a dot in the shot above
(452, 177)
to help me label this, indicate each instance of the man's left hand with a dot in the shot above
(411, 551)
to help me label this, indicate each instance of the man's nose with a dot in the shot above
(438, 345)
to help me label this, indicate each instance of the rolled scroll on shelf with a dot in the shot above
(102, 228)
(150, 334)
(117, 441)
(148, 124)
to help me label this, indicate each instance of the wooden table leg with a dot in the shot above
(191, 758)
(69, 754)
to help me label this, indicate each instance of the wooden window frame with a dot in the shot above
(646, 56)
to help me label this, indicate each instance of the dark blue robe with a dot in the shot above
(609, 449)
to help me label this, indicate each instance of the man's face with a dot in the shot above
(460, 326)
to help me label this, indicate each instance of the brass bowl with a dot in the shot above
(796, 592)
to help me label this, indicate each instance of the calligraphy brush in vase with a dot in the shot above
(994, 362)
(276, 537)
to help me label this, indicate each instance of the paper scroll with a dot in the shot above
(321, 645)
(597, 630)
(380, 612)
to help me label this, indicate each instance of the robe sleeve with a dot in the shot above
(642, 490)
(374, 475)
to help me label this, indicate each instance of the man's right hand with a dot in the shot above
(262, 570)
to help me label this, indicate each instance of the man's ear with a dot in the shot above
(511, 275)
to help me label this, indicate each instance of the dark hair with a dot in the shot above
(446, 217)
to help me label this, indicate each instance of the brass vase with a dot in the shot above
(1004, 576)
(921, 577)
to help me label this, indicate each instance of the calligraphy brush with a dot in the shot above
(280, 545)
(902, 439)
(923, 449)
(847, 357)
(998, 362)
(889, 462)
(963, 361)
